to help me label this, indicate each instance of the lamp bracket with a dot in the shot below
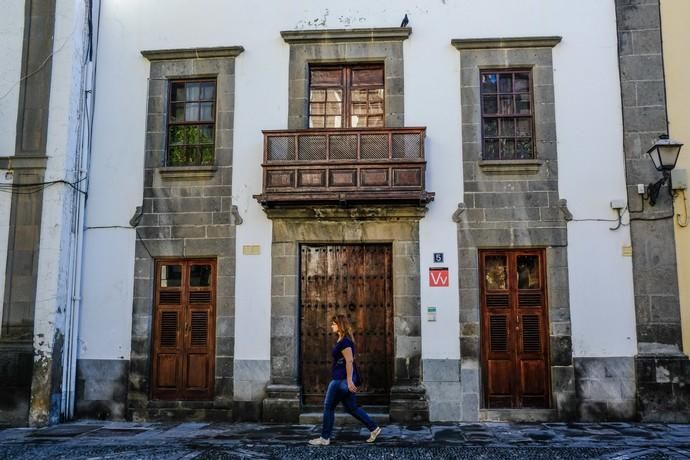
(655, 187)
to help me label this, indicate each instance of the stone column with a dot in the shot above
(661, 369)
(31, 360)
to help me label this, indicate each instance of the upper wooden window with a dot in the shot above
(507, 115)
(346, 96)
(191, 122)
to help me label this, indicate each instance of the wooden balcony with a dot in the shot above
(344, 166)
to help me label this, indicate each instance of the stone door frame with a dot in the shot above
(398, 226)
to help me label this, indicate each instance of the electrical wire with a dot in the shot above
(98, 227)
(35, 187)
(42, 64)
(649, 219)
(141, 240)
(594, 220)
(685, 209)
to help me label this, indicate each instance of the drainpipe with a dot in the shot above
(81, 167)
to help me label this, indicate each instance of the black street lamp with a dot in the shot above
(664, 155)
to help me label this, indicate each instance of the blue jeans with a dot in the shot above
(338, 392)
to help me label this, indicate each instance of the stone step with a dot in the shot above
(518, 415)
(313, 415)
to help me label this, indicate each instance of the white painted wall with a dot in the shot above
(56, 222)
(591, 174)
(588, 118)
(116, 185)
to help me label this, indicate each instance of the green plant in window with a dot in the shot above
(176, 156)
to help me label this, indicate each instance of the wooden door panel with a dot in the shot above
(353, 280)
(167, 346)
(197, 372)
(500, 377)
(167, 366)
(532, 377)
(514, 328)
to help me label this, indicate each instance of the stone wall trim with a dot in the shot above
(507, 42)
(346, 35)
(510, 166)
(32, 162)
(193, 53)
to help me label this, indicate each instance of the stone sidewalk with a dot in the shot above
(548, 441)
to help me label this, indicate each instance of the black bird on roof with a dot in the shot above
(405, 21)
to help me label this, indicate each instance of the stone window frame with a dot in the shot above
(187, 64)
(530, 53)
(166, 65)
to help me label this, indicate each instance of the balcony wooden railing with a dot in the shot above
(344, 166)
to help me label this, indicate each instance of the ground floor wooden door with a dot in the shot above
(515, 365)
(184, 330)
(355, 280)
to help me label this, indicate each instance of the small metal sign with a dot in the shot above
(438, 257)
(251, 250)
(431, 312)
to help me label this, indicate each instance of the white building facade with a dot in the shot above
(236, 174)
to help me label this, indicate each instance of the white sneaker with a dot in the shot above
(319, 442)
(374, 434)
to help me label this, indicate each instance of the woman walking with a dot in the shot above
(342, 387)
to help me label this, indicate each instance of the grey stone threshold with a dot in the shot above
(518, 415)
(313, 415)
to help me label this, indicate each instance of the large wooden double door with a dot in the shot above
(355, 280)
(184, 330)
(515, 365)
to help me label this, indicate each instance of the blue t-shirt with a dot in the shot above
(338, 371)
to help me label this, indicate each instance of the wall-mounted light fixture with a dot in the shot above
(664, 155)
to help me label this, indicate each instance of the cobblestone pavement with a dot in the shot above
(200, 441)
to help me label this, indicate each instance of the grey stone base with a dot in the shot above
(282, 404)
(16, 363)
(441, 379)
(182, 415)
(183, 411)
(101, 388)
(605, 388)
(408, 404)
(247, 411)
(251, 378)
(518, 415)
(663, 388)
(563, 392)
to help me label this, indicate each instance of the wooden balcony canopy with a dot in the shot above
(342, 166)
